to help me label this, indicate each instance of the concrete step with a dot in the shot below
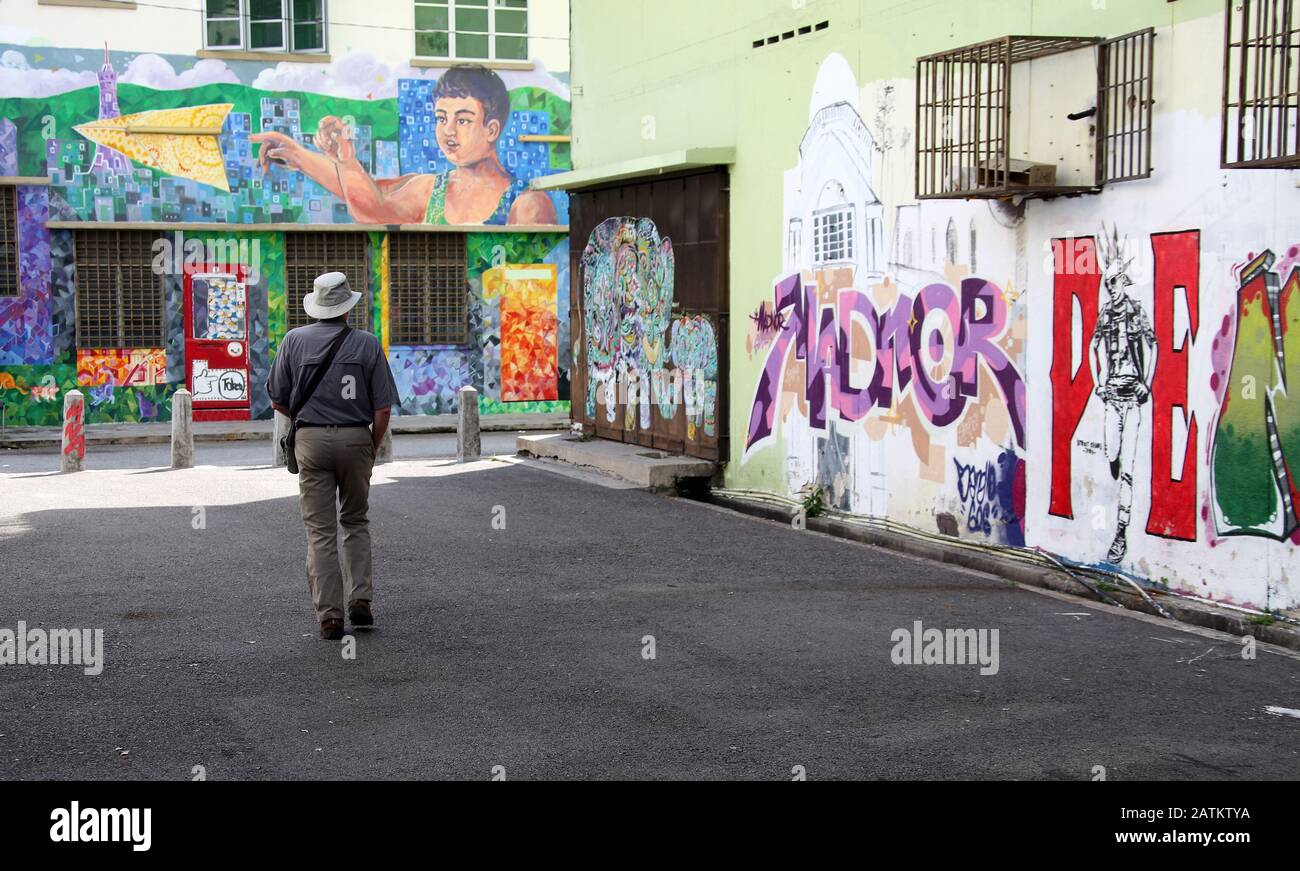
(639, 465)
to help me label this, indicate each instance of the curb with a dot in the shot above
(1057, 580)
(22, 444)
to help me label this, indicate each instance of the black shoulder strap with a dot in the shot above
(309, 389)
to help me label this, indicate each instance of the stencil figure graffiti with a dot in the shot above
(1116, 340)
(1123, 359)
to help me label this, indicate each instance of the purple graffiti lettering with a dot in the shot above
(908, 345)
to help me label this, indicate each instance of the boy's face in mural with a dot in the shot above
(464, 135)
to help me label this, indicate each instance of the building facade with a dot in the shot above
(173, 176)
(1018, 272)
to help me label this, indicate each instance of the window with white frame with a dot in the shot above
(264, 25)
(833, 235)
(482, 30)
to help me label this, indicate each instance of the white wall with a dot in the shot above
(382, 28)
(898, 463)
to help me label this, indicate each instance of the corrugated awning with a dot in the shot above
(641, 167)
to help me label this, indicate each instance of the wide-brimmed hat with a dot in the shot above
(331, 296)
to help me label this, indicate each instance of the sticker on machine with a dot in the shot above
(218, 385)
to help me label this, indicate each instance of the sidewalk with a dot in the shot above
(259, 430)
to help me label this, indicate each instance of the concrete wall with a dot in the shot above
(950, 386)
(381, 29)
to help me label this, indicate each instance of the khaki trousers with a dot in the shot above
(334, 466)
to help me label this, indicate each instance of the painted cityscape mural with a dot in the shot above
(143, 138)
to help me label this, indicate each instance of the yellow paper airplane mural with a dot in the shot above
(181, 142)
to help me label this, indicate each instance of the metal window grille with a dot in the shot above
(1125, 107)
(8, 241)
(963, 116)
(307, 255)
(428, 288)
(119, 296)
(1261, 84)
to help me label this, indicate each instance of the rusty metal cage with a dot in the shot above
(120, 302)
(964, 108)
(9, 241)
(309, 254)
(428, 289)
(1261, 84)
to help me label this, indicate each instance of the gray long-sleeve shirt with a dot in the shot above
(356, 384)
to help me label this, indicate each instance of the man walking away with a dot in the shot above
(339, 430)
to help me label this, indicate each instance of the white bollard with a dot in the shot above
(469, 445)
(281, 429)
(385, 452)
(182, 429)
(74, 432)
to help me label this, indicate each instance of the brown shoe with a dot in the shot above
(331, 630)
(359, 614)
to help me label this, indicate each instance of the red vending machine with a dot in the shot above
(216, 342)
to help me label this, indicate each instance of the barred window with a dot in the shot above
(8, 240)
(308, 255)
(1261, 85)
(966, 146)
(428, 287)
(120, 301)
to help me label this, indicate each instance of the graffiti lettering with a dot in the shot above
(1076, 301)
(909, 345)
(1173, 499)
(1257, 436)
(992, 497)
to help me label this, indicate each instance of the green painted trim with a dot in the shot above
(659, 164)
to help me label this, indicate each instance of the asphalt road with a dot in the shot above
(525, 647)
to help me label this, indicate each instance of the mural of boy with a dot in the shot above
(1123, 358)
(471, 107)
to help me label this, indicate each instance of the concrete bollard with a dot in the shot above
(385, 453)
(74, 432)
(182, 429)
(280, 430)
(468, 443)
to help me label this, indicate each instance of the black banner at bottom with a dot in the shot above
(139, 821)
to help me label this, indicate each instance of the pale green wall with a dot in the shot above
(690, 66)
